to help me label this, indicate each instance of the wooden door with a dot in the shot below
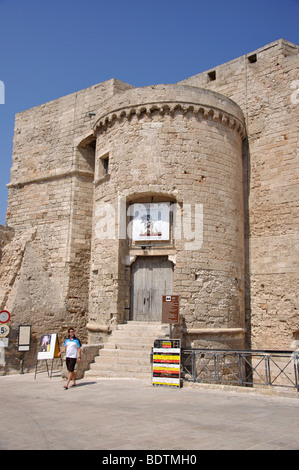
(151, 278)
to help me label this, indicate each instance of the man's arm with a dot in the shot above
(62, 350)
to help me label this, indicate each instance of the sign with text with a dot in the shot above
(4, 331)
(166, 362)
(24, 338)
(170, 308)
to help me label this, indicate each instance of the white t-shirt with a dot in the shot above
(72, 346)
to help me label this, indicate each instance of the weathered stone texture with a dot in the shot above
(162, 148)
(50, 195)
(221, 147)
(266, 92)
(6, 235)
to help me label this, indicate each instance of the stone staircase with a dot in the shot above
(127, 351)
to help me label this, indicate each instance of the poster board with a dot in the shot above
(151, 221)
(167, 362)
(24, 338)
(48, 347)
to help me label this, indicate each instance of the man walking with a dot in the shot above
(72, 346)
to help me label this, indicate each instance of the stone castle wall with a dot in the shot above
(179, 144)
(183, 143)
(265, 85)
(44, 272)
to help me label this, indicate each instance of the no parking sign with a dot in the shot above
(4, 316)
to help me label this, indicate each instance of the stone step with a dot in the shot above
(132, 368)
(119, 334)
(117, 374)
(135, 333)
(142, 327)
(126, 359)
(129, 345)
(149, 324)
(108, 352)
(127, 351)
(131, 334)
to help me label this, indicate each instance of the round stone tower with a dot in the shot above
(168, 213)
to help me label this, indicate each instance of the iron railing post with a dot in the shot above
(296, 369)
(216, 367)
(241, 369)
(267, 367)
(193, 361)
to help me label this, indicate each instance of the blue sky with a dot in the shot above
(52, 48)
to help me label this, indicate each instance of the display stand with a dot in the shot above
(48, 349)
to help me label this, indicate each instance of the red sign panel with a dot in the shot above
(4, 316)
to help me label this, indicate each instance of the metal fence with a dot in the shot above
(242, 368)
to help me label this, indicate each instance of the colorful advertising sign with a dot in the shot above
(166, 362)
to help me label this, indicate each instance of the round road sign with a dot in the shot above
(4, 316)
(4, 331)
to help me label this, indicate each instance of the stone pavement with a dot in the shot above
(131, 414)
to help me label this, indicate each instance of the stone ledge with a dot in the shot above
(214, 331)
(95, 327)
(50, 177)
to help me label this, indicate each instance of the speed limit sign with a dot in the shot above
(4, 331)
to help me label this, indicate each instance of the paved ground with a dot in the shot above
(124, 414)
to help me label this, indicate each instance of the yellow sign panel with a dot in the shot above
(166, 363)
(166, 358)
(4, 331)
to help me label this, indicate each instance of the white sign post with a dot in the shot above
(24, 342)
(3, 344)
(4, 332)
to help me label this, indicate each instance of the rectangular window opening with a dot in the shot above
(252, 58)
(105, 164)
(212, 75)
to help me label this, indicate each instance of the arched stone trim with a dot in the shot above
(85, 141)
(170, 108)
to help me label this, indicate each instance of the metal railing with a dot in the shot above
(243, 368)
